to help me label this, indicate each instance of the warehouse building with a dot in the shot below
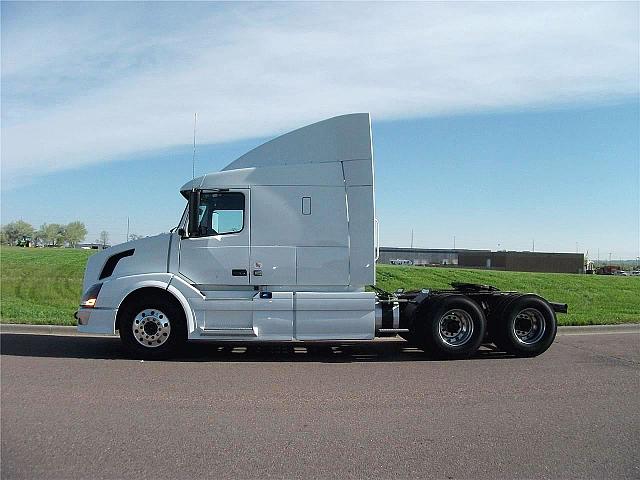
(485, 259)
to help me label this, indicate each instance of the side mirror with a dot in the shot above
(194, 212)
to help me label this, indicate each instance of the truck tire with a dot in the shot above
(526, 327)
(452, 327)
(152, 327)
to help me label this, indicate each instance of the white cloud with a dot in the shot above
(85, 84)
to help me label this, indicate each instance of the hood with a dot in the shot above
(144, 255)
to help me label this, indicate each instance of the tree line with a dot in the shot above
(49, 234)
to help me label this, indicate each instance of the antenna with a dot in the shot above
(193, 162)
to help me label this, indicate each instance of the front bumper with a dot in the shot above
(96, 320)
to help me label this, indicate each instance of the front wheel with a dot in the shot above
(453, 327)
(527, 327)
(152, 327)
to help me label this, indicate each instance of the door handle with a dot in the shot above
(239, 272)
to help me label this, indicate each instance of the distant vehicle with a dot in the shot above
(621, 273)
(399, 261)
(25, 242)
(608, 269)
(635, 273)
(279, 246)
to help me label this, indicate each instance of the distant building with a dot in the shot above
(418, 256)
(486, 259)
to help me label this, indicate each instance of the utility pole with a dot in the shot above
(609, 258)
(454, 242)
(127, 229)
(533, 245)
(412, 238)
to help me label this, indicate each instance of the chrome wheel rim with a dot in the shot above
(529, 326)
(151, 328)
(455, 327)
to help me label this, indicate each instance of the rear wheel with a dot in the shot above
(527, 327)
(152, 326)
(453, 327)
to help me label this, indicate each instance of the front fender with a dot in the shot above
(114, 292)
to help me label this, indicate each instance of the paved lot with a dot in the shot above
(74, 407)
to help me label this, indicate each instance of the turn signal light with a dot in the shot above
(89, 298)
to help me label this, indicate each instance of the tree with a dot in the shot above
(38, 236)
(104, 238)
(41, 234)
(52, 234)
(16, 231)
(74, 233)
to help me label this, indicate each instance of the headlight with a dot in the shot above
(90, 296)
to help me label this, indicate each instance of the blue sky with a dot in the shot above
(500, 124)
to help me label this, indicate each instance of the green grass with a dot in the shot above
(40, 285)
(43, 286)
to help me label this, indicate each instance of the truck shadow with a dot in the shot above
(110, 348)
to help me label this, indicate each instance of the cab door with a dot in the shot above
(218, 253)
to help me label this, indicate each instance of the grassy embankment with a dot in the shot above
(43, 286)
(40, 285)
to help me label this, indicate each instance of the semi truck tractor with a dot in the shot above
(281, 245)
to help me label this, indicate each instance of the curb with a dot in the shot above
(71, 330)
(600, 329)
(39, 329)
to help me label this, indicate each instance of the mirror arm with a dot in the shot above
(194, 208)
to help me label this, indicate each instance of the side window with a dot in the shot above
(221, 213)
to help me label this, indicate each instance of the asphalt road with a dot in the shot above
(74, 407)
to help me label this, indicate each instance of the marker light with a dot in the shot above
(90, 296)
